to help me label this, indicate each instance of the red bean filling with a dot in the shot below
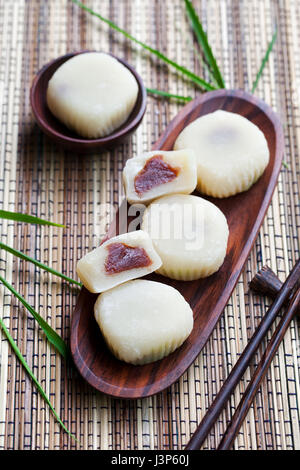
(122, 257)
(154, 173)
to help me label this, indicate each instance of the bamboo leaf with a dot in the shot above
(203, 42)
(199, 81)
(21, 255)
(51, 334)
(169, 95)
(31, 219)
(33, 378)
(264, 61)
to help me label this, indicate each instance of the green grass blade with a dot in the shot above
(30, 219)
(264, 61)
(51, 334)
(21, 255)
(169, 95)
(32, 376)
(203, 42)
(199, 81)
(202, 61)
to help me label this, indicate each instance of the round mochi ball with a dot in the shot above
(143, 321)
(92, 93)
(189, 234)
(232, 152)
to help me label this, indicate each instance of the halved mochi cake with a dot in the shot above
(231, 152)
(189, 233)
(92, 93)
(154, 174)
(118, 260)
(143, 321)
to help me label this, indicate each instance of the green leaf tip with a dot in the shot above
(285, 165)
(169, 95)
(204, 44)
(264, 61)
(21, 255)
(30, 219)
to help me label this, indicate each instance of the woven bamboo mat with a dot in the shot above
(40, 179)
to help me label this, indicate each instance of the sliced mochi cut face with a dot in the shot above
(154, 174)
(231, 152)
(92, 93)
(118, 260)
(189, 233)
(143, 321)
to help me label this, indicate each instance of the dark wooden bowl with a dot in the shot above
(63, 136)
(208, 297)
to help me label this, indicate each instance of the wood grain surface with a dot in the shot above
(207, 297)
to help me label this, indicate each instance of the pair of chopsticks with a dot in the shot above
(267, 283)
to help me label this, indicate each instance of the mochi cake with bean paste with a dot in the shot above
(118, 260)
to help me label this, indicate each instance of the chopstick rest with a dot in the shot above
(285, 291)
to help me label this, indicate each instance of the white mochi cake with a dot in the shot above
(92, 93)
(143, 321)
(118, 260)
(189, 233)
(157, 173)
(231, 152)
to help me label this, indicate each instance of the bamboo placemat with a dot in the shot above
(40, 179)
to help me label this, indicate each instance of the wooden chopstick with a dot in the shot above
(244, 360)
(260, 372)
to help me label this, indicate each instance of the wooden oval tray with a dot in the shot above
(207, 297)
